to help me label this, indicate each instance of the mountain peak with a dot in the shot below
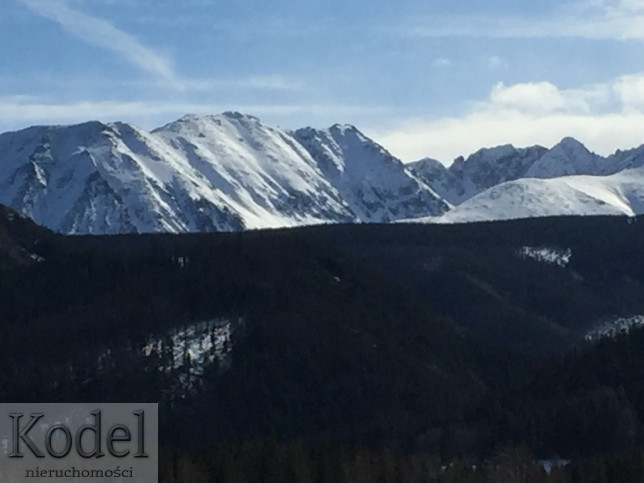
(199, 121)
(568, 157)
(429, 162)
(344, 128)
(94, 124)
(485, 168)
(493, 152)
(569, 140)
(238, 116)
(572, 144)
(190, 117)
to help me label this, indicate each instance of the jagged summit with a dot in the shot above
(567, 179)
(345, 129)
(198, 122)
(237, 115)
(487, 167)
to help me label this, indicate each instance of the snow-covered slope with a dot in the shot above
(618, 194)
(441, 179)
(263, 174)
(376, 186)
(105, 178)
(490, 167)
(568, 157)
(203, 173)
(485, 168)
(567, 179)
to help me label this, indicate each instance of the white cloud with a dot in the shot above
(630, 91)
(538, 98)
(605, 117)
(100, 32)
(447, 138)
(531, 96)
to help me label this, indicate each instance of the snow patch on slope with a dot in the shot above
(185, 354)
(549, 255)
(192, 348)
(615, 327)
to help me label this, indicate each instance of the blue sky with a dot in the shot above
(422, 77)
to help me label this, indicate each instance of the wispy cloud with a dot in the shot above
(100, 32)
(53, 82)
(595, 19)
(253, 82)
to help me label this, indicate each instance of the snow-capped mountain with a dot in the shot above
(568, 157)
(618, 194)
(485, 168)
(489, 167)
(443, 181)
(621, 160)
(376, 186)
(105, 178)
(568, 179)
(261, 172)
(232, 172)
(201, 173)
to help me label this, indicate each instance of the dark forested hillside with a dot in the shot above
(19, 238)
(442, 341)
(479, 275)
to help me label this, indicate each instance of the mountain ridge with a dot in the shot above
(566, 179)
(231, 172)
(225, 172)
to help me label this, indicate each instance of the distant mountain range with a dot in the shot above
(232, 172)
(506, 182)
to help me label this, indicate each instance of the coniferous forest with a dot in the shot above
(345, 352)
